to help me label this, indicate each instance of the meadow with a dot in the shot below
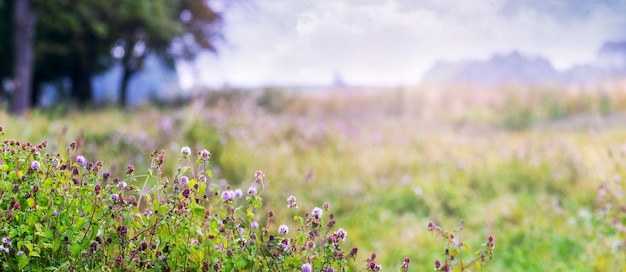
(539, 169)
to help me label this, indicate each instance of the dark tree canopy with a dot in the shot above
(76, 39)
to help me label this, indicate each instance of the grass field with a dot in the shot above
(540, 170)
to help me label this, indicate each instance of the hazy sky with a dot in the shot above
(392, 42)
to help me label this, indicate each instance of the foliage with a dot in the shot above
(63, 213)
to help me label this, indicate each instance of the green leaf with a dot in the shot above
(22, 262)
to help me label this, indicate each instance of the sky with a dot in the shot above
(394, 42)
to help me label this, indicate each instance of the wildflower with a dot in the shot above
(186, 192)
(185, 151)
(81, 160)
(283, 229)
(238, 193)
(20, 253)
(326, 206)
(259, 176)
(252, 191)
(204, 155)
(54, 213)
(307, 267)
(292, 202)
(317, 213)
(227, 196)
(121, 185)
(329, 269)
(203, 178)
(115, 197)
(93, 246)
(341, 234)
(194, 242)
(6, 240)
(97, 189)
(4, 249)
(34, 165)
(254, 225)
(16, 187)
(184, 180)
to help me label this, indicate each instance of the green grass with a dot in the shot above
(387, 176)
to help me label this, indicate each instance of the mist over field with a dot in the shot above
(195, 135)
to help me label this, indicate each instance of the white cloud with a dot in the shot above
(393, 42)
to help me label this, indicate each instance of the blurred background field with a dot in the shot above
(508, 115)
(527, 169)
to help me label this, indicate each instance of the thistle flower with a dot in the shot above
(317, 213)
(184, 180)
(205, 155)
(115, 197)
(283, 229)
(252, 191)
(307, 267)
(185, 151)
(34, 165)
(238, 193)
(341, 234)
(227, 196)
(292, 202)
(259, 176)
(81, 160)
(254, 225)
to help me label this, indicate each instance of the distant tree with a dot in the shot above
(24, 18)
(169, 28)
(76, 39)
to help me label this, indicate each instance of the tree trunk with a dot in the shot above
(81, 82)
(128, 73)
(24, 18)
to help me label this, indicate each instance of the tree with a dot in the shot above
(24, 18)
(171, 29)
(75, 39)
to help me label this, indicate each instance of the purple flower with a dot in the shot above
(341, 234)
(252, 191)
(292, 202)
(307, 267)
(185, 151)
(4, 249)
(122, 185)
(34, 165)
(205, 155)
(6, 240)
(184, 180)
(254, 225)
(283, 229)
(115, 197)
(317, 213)
(81, 160)
(259, 176)
(203, 178)
(194, 242)
(20, 253)
(54, 213)
(227, 196)
(238, 193)
(16, 187)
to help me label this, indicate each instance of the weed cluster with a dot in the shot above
(64, 212)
